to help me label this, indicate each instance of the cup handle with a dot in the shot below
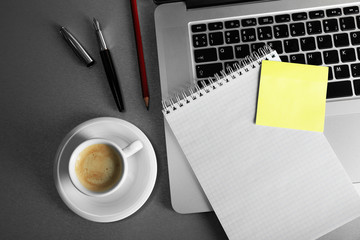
(132, 148)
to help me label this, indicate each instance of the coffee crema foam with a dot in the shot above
(98, 167)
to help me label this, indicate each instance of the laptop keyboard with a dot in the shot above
(328, 37)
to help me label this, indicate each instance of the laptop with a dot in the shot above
(196, 39)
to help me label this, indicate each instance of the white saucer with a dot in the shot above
(133, 193)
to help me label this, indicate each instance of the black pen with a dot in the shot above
(109, 67)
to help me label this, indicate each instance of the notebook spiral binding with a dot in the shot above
(192, 93)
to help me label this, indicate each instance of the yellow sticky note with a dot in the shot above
(292, 96)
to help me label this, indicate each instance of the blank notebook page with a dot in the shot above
(262, 182)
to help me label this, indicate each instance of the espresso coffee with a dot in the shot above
(98, 167)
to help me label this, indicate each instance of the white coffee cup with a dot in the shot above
(97, 143)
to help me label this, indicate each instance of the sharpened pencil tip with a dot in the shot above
(146, 100)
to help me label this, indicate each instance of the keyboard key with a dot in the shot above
(330, 25)
(208, 70)
(215, 26)
(341, 40)
(291, 45)
(331, 56)
(282, 18)
(232, 36)
(297, 29)
(314, 58)
(333, 12)
(242, 51)
(248, 22)
(347, 23)
(358, 52)
(198, 28)
(330, 75)
(324, 41)
(307, 44)
(248, 35)
(216, 38)
(313, 27)
(297, 58)
(232, 24)
(255, 46)
(199, 40)
(347, 55)
(316, 14)
(299, 16)
(266, 20)
(339, 89)
(276, 45)
(341, 71)
(264, 33)
(355, 70)
(284, 58)
(281, 31)
(357, 87)
(205, 55)
(351, 10)
(358, 21)
(226, 53)
(355, 38)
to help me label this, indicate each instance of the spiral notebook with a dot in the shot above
(262, 182)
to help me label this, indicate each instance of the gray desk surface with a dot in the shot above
(46, 91)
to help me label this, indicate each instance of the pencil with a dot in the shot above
(140, 53)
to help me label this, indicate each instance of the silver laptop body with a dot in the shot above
(176, 64)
